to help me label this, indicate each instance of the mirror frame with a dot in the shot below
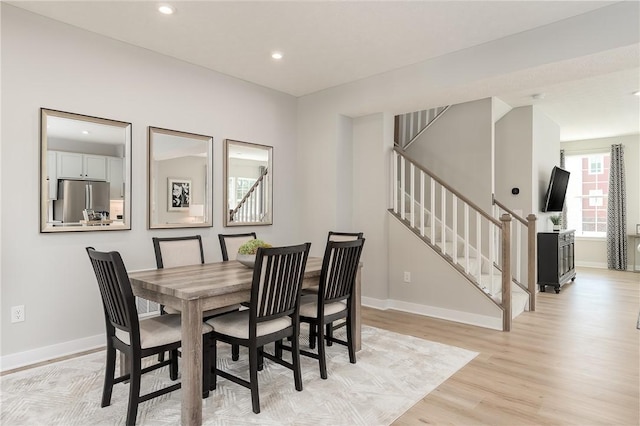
(225, 213)
(45, 113)
(208, 218)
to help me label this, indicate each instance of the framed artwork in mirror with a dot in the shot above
(179, 194)
(85, 165)
(248, 194)
(180, 166)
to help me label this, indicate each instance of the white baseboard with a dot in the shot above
(494, 323)
(598, 265)
(21, 359)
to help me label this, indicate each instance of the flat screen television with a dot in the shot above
(554, 198)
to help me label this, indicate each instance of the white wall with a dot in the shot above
(514, 160)
(458, 149)
(435, 289)
(593, 251)
(546, 155)
(49, 64)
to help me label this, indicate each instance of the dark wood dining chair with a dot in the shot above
(271, 317)
(334, 299)
(332, 236)
(172, 252)
(133, 337)
(230, 243)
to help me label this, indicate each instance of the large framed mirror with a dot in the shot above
(180, 171)
(248, 194)
(85, 173)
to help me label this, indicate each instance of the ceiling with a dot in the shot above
(330, 43)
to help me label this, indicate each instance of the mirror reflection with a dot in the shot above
(248, 189)
(85, 169)
(180, 170)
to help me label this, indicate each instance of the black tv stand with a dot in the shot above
(556, 265)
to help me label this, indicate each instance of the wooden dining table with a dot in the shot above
(198, 288)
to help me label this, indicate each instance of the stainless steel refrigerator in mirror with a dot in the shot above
(74, 196)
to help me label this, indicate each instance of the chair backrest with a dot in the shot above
(230, 243)
(339, 269)
(178, 251)
(277, 281)
(344, 236)
(118, 300)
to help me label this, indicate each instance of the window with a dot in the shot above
(595, 164)
(238, 187)
(586, 200)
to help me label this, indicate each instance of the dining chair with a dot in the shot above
(272, 316)
(332, 236)
(133, 337)
(333, 300)
(230, 243)
(182, 251)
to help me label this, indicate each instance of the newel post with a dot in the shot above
(506, 271)
(531, 262)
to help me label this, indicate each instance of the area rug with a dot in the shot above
(392, 373)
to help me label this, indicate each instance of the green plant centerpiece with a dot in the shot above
(247, 252)
(556, 219)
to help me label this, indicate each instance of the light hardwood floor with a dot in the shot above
(574, 361)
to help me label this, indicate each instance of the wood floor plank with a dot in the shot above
(576, 360)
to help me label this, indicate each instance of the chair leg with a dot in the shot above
(278, 349)
(173, 367)
(253, 378)
(295, 357)
(235, 352)
(108, 377)
(134, 389)
(260, 358)
(329, 333)
(213, 354)
(312, 336)
(321, 352)
(161, 357)
(350, 343)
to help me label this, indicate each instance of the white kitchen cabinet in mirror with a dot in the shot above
(248, 195)
(77, 192)
(180, 174)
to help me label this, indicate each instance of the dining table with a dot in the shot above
(197, 288)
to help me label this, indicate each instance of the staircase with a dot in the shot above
(252, 208)
(474, 242)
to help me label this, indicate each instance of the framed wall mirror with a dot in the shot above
(180, 171)
(85, 173)
(248, 184)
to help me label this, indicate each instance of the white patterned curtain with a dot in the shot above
(617, 212)
(564, 207)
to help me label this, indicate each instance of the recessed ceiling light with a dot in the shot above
(85, 132)
(637, 93)
(276, 55)
(165, 9)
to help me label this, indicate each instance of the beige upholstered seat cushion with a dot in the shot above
(209, 313)
(180, 253)
(158, 331)
(309, 307)
(236, 324)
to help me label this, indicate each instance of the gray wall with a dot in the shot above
(49, 64)
(458, 148)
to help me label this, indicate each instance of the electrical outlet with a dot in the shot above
(407, 277)
(17, 313)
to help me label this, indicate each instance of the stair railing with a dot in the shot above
(252, 207)
(529, 227)
(456, 228)
(408, 127)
